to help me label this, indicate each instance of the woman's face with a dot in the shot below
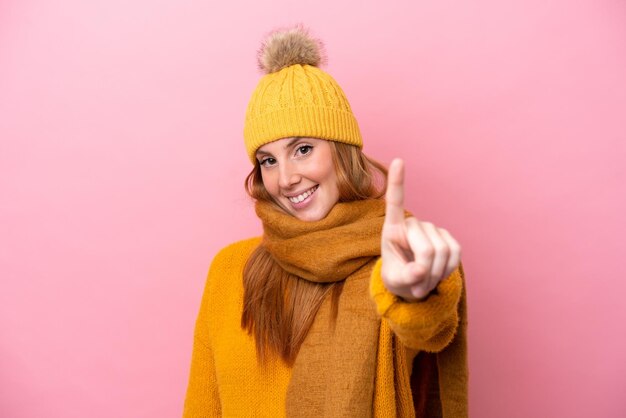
(300, 175)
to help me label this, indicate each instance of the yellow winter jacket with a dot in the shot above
(226, 380)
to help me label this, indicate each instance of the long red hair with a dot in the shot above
(279, 307)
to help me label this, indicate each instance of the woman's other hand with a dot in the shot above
(416, 255)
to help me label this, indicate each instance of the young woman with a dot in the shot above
(347, 306)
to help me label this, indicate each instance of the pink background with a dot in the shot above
(122, 164)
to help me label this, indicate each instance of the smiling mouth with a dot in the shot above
(303, 196)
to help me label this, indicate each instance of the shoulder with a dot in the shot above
(226, 270)
(234, 255)
(235, 250)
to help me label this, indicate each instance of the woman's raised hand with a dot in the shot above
(416, 255)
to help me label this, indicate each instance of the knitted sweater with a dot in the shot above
(226, 380)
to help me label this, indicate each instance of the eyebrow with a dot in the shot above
(287, 145)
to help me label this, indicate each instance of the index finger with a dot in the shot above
(394, 212)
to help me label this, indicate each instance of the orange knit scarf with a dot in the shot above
(334, 371)
(330, 249)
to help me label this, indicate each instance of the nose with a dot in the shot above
(288, 175)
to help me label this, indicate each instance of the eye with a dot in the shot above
(304, 149)
(267, 162)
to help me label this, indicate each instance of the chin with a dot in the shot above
(308, 218)
(312, 216)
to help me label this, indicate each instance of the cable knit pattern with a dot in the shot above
(299, 100)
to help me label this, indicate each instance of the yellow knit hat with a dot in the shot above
(295, 97)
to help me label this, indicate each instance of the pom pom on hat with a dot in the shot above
(285, 47)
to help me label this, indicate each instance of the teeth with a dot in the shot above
(300, 198)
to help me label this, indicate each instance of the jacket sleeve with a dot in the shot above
(202, 398)
(429, 325)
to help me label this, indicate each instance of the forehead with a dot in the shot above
(285, 143)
